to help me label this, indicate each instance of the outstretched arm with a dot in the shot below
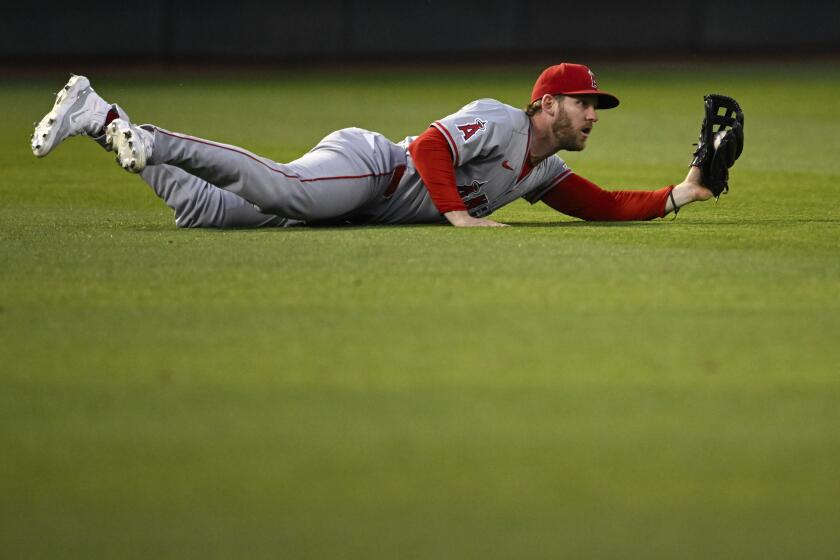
(584, 199)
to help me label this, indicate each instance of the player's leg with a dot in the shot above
(338, 178)
(197, 203)
(78, 110)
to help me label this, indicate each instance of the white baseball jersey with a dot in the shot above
(489, 141)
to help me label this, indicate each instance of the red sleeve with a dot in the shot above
(433, 160)
(583, 199)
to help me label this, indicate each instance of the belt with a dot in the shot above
(399, 171)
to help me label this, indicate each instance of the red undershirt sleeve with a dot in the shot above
(433, 160)
(583, 199)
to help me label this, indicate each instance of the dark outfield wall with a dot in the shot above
(347, 29)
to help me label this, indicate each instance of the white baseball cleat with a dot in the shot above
(132, 144)
(77, 110)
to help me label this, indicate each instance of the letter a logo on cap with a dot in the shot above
(571, 79)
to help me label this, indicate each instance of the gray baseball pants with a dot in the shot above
(209, 184)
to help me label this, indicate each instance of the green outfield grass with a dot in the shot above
(557, 389)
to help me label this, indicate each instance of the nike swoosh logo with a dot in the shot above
(74, 118)
(506, 165)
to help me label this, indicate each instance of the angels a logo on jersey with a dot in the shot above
(469, 129)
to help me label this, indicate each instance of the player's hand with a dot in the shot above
(462, 218)
(690, 190)
(692, 184)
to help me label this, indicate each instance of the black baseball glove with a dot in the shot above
(721, 142)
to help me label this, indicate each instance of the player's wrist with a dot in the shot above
(688, 192)
(458, 217)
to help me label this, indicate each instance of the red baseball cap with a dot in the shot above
(571, 79)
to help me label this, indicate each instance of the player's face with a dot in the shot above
(573, 121)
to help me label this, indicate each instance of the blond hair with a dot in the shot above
(536, 106)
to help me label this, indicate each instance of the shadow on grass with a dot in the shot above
(695, 223)
(294, 230)
(158, 228)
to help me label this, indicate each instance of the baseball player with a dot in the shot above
(460, 170)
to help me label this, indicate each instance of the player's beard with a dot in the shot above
(565, 133)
